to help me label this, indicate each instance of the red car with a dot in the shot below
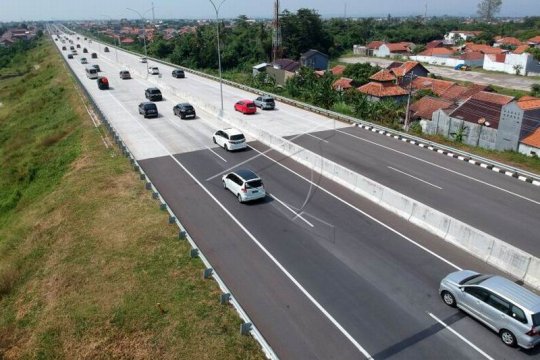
(245, 107)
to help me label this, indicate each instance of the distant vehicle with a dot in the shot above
(153, 70)
(106, 49)
(72, 47)
(265, 102)
(244, 184)
(78, 38)
(245, 107)
(74, 52)
(124, 74)
(96, 66)
(84, 60)
(85, 50)
(91, 73)
(78, 46)
(85, 38)
(230, 139)
(143, 60)
(153, 94)
(178, 73)
(103, 83)
(148, 109)
(63, 48)
(502, 305)
(462, 67)
(184, 110)
(70, 56)
(94, 56)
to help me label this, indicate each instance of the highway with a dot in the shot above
(323, 272)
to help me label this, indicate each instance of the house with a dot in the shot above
(530, 145)
(407, 71)
(534, 41)
(435, 44)
(383, 86)
(360, 50)
(437, 52)
(373, 46)
(393, 49)
(521, 49)
(423, 109)
(11, 36)
(484, 49)
(518, 120)
(517, 64)
(314, 59)
(459, 93)
(476, 120)
(438, 87)
(338, 70)
(343, 84)
(282, 69)
(507, 41)
(259, 68)
(464, 35)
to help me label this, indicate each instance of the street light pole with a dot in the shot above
(216, 8)
(144, 36)
(114, 37)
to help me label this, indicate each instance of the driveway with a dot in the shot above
(504, 80)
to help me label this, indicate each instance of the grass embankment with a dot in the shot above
(85, 253)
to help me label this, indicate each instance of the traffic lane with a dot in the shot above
(288, 321)
(468, 327)
(353, 271)
(468, 201)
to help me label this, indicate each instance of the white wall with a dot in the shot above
(511, 60)
(435, 60)
(528, 150)
(382, 51)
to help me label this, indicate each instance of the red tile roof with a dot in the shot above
(398, 47)
(455, 92)
(520, 49)
(533, 139)
(529, 103)
(342, 84)
(434, 44)
(482, 106)
(374, 45)
(381, 90)
(492, 98)
(383, 75)
(486, 49)
(472, 55)
(437, 86)
(337, 70)
(405, 68)
(535, 40)
(436, 51)
(509, 41)
(425, 107)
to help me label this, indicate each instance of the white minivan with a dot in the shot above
(91, 72)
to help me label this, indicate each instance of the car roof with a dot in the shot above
(515, 293)
(184, 104)
(267, 97)
(233, 131)
(246, 174)
(147, 103)
(152, 88)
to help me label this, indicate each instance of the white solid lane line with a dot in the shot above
(316, 137)
(414, 177)
(215, 153)
(441, 167)
(254, 239)
(297, 215)
(461, 337)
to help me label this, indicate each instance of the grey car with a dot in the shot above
(265, 102)
(504, 306)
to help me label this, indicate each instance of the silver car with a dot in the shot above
(245, 185)
(265, 102)
(507, 308)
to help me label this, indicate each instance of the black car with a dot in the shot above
(63, 48)
(106, 49)
(85, 50)
(184, 110)
(72, 47)
(94, 56)
(148, 109)
(70, 56)
(96, 66)
(153, 94)
(78, 46)
(178, 73)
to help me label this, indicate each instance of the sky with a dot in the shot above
(18, 10)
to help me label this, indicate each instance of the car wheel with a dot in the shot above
(448, 298)
(214, 140)
(226, 147)
(508, 338)
(240, 198)
(224, 185)
(182, 116)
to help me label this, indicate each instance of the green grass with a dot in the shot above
(89, 267)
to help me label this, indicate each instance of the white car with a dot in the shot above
(230, 139)
(245, 185)
(153, 70)
(143, 60)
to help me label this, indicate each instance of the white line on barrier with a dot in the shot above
(461, 337)
(365, 213)
(254, 239)
(442, 167)
(414, 177)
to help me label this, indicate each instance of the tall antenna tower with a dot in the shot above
(277, 49)
(153, 14)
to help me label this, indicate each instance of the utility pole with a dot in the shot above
(276, 35)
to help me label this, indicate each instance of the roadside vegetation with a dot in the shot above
(89, 267)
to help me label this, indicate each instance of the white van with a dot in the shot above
(91, 72)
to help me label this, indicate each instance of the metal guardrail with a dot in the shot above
(516, 172)
(227, 297)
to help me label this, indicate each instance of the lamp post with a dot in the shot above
(216, 8)
(114, 37)
(144, 35)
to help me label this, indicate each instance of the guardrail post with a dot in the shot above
(148, 185)
(245, 328)
(172, 219)
(182, 234)
(194, 253)
(224, 298)
(142, 177)
(207, 273)
(163, 206)
(155, 195)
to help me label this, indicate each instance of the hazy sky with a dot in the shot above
(16, 10)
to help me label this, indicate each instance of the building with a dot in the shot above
(393, 49)
(314, 59)
(383, 86)
(518, 120)
(461, 35)
(282, 69)
(517, 64)
(343, 84)
(530, 145)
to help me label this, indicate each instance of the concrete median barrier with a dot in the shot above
(532, 277)
(473, 240)
(514, 260)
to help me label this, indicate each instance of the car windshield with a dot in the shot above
(188, 107)
(154, 91)
(474, 279)
(253, 184)
(150, 106)
(536, 319)
(237, 137)
(269, 101)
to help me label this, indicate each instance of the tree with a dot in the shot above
(360, 72)
(535, 90)
(487, 9)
